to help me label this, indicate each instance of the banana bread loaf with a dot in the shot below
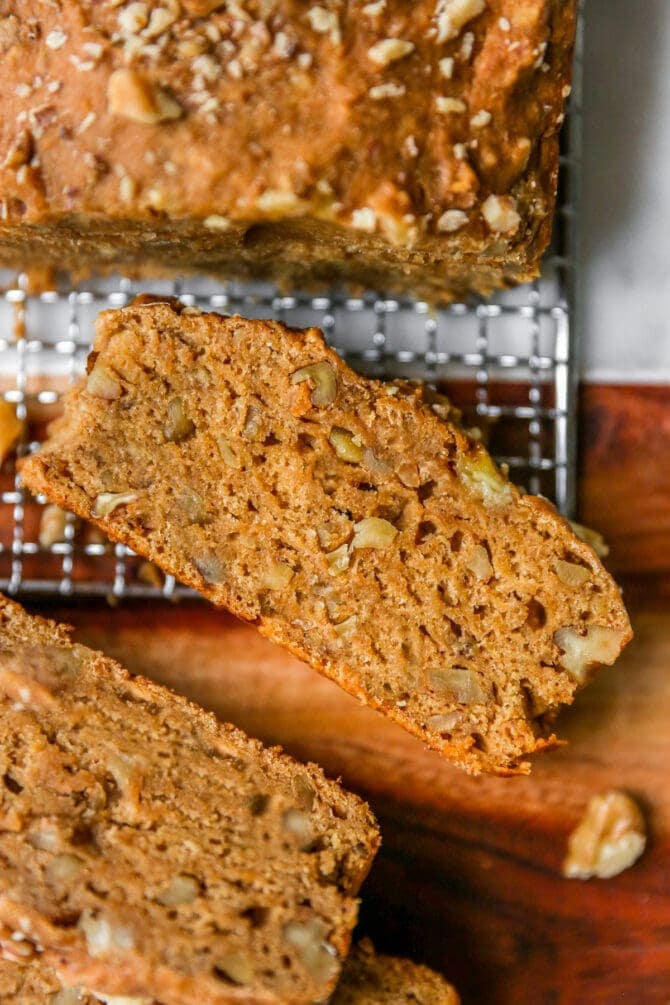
(149, 851)
(354, 526)
(406, 147)
(371, 979)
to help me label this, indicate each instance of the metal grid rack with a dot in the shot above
(509, 362)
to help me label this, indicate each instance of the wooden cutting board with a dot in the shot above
(469, 877)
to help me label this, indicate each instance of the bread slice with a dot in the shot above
(149, 851)
(346, 520)
(367, 979)
(371, 979)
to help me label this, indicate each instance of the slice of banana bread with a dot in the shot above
(369, 979)
(355, 527)
(150, 851)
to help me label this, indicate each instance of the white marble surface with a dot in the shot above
(626, 192)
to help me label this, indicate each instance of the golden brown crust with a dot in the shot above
(336, 134)
(150, 851)
(476, 617)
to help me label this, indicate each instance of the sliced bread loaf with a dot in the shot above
(150, 851)
(353, 525)
(371, 979)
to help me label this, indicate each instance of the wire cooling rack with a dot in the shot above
(510, 363)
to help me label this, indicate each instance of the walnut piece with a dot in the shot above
(373, 532)
(444, 723)
(322, 375)
(298, 824)
(481, 475)
(228, 454)
(107, 502)
(303, 792)
(570, 573)
(501, 215)
(134, 97)
(177, 426)
(102, 936)
(193, 505)
(458, 683)
(182, 889)
(479, 563)
(338, 560)
(101, 383)
(53, 522)
(591, 537)
(63, 868)
(318, 956)
(236, 967)
(345, 445)
(25, 690)
(277, 575)
(211, 567)
(581, 652)
(67, 996)
(345, 629)
(610, 837)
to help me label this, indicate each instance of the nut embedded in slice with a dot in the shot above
(102, 383)
(107, 502)
(322, 375)
(373, 532)
(597, 645)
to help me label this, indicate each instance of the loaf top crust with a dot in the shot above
(430, 124)
(149, 850)
(374, 979)
(347, 520)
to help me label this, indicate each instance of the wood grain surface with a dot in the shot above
(469, 876)
(625, 473)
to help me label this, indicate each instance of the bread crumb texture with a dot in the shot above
(151, 852)
(404, 147)
(344, 517)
